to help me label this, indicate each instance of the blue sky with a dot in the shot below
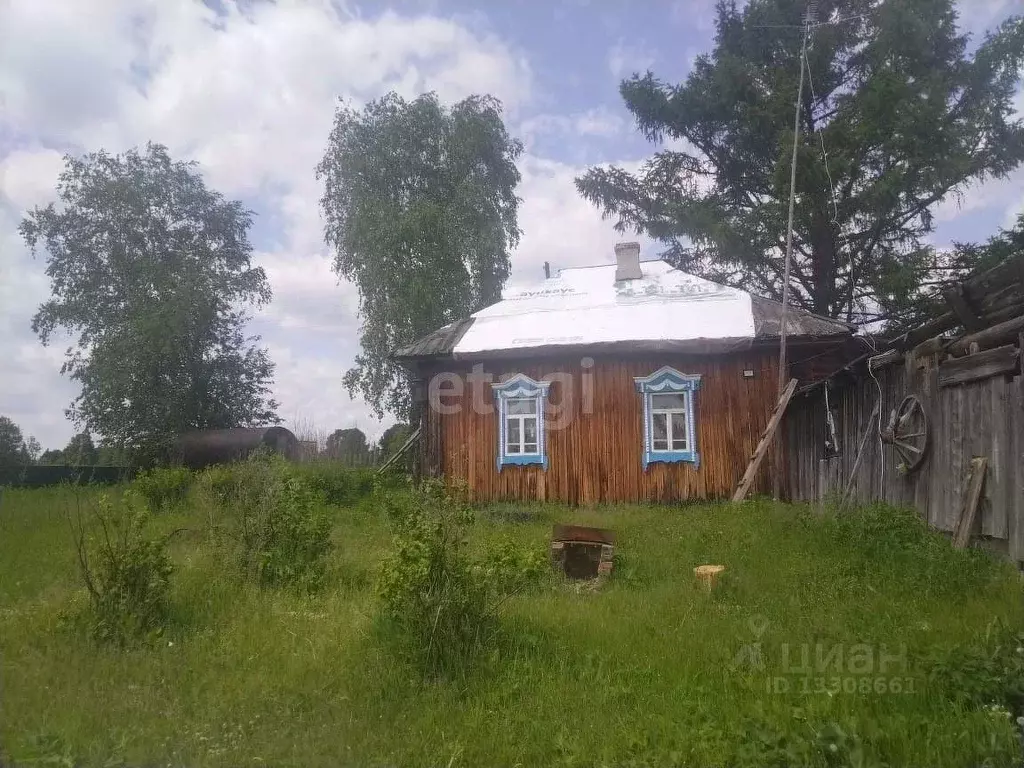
(248, 91)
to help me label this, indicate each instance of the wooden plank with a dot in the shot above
(996, 511)
(928, 347)
(964, 312)
(1015, 480)
(922, 478)
(884, 359)
(828, 480)
(765, 443)
(979, 287)
(957, 462)
(560, 532)
(860, 455)
(990, 337)
(401, 451)
(974, 484)
(933, 327)
(983, 365)
(596, 457)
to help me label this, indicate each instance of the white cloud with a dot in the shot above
(626, 58)
(600, 122)
(558, 225)
(249, 94)
(28, 177)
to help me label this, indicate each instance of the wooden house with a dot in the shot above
(623, 382)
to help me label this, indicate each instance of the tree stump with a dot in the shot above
(707, 575)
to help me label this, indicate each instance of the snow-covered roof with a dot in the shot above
(585, 306)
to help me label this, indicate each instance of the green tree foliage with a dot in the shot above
(421, 211)
(32, 450)
(108, 455)
(13, 449)
(971, 258)
(80, 451)
(999, 248)
(52, 457)
(394, 438)
(348, 445)
(906, 115)
(150, 269)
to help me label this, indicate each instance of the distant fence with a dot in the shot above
(38, 476)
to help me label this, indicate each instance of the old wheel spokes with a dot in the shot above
(908, 432)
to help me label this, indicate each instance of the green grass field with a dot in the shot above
(646, 671)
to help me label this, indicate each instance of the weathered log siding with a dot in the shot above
(596, 456)
(981, 418)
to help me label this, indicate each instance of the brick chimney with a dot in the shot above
(627, 261)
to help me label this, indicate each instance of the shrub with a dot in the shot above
(986, 674)
(441, 601)
(274, 520)
(126, 574)
(163, 488)
(338, 484)
(879, 537)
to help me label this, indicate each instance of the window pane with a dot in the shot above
(522, 405)
(659, 431)
(679, 432)
(530, 430)
(530, 448)
(512, 448)
(666, 402)
(659, 425)
(512, 435)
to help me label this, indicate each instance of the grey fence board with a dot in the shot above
(978, 418)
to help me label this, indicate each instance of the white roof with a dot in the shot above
(586, 305)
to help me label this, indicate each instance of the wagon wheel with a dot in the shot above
(907, 432)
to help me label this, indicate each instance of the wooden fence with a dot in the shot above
(980, 418)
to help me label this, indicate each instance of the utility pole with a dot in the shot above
(783, 373)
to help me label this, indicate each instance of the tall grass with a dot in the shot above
(647, 670)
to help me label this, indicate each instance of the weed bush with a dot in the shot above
(274, 520)
(163, 488)
(986, 674)
(442, 601)
(880, 537)
(126, 574)
(337, 483)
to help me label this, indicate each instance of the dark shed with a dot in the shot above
(219, 446)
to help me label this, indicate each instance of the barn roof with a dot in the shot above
(664, 309)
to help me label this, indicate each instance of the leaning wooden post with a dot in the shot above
(766, 441)
(860, 454)
(972, 498)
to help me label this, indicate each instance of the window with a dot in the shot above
(669, 430)
(521, 421)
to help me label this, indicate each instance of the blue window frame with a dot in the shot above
(670, 428)
(521, 438)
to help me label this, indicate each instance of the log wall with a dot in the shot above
(597, 455)
(980, 418)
